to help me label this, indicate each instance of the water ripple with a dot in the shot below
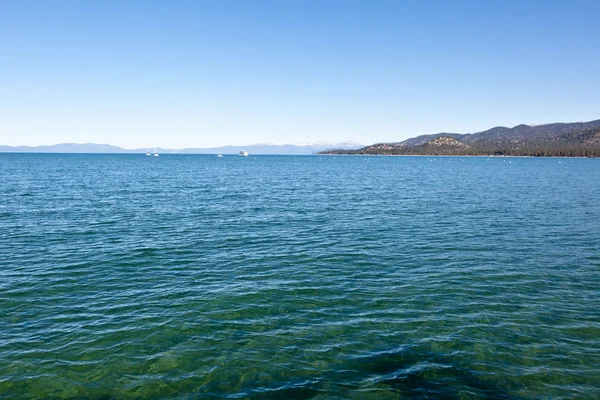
(124, 276)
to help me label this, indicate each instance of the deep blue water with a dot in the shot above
(126, 276)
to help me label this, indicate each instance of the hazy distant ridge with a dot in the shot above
(262, 148)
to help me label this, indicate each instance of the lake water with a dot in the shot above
(126, 276)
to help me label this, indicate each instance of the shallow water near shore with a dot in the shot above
(192, 276)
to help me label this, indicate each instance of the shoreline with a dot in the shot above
(447, 155)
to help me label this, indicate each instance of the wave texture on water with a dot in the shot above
(126, 276)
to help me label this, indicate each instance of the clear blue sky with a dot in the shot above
(205, 73)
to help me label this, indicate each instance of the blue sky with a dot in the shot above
(207, 73)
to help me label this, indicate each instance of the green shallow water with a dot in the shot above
(125, 276)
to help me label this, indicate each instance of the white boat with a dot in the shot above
(244, 153)
(148, 152)
(155, 153)
(219, 155)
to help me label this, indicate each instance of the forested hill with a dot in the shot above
(581, 139)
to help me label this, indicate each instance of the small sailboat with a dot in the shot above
(148, 152)
(155, 153)
(244, 153)
(219, 155)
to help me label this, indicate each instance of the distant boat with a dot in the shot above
(148, 152)
(219, 155)
(244, 153)
(155, 153)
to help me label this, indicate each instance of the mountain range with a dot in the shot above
(578, 139)
(261, 148)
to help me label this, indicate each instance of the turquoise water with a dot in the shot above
(125, 276)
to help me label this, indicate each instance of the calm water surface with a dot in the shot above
(125, 276)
